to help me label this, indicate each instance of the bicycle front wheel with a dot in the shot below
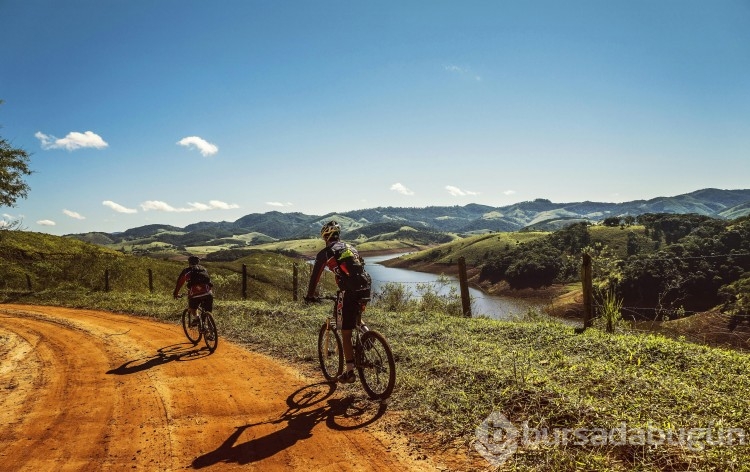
(193, 333)
(210, 335)
(376, 365)
(330, 352)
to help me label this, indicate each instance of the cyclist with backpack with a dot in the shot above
(354, 284)
(199, 288)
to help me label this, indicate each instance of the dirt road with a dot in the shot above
(89, 390)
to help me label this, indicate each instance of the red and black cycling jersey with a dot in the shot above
(198, 282)
(342, 259)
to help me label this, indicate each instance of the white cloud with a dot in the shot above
(279, 204)
(456, 69)
(462, 71)
(46, 223)
(74, 140)
(74, 214)
(206, 148)
(401, 189)
(118, 208)
(457, 192)
(219, 205)
(156, 205)
(509, 192)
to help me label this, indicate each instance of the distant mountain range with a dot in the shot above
(428, 221)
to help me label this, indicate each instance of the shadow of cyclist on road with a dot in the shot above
(304, 411)
(174, 353)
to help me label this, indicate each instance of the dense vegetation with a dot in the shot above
(667, 266)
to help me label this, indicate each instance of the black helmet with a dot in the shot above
(330, 230)
(193, 260)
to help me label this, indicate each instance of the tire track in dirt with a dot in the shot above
(89, 390)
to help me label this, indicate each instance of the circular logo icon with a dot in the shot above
(497, 439)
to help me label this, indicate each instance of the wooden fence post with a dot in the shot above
(295, 278)
(464, 284)
(106, 280)
(586, 279)
(150, 281)
(244, 282)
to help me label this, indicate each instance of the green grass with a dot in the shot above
(454, 372)
(475, 249)
(616, 238)
(57, 263)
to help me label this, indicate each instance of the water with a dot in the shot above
(492, 306)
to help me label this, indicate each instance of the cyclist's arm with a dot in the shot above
(180, 282)
(317, 272)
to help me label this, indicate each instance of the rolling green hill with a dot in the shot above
(45, 262)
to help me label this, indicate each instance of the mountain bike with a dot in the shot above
(373, 358)
(202, 326)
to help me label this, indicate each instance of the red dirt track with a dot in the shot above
(91, 390)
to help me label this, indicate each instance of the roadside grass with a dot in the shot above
(453, 372)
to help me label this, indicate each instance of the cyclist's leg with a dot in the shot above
(207, 302)
(349, 312)
(193, 304)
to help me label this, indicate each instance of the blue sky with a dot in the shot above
(163, 111)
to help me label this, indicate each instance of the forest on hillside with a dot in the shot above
(674, 265)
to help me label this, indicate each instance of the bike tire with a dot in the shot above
(210, 334)
(193, 333)
(330, 352)
(376, 365)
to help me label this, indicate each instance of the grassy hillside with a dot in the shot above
(49, 262)
(475, 249)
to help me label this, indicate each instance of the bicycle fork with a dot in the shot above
(329, 327)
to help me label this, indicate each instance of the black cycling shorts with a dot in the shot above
(206, 301)
(351, 309)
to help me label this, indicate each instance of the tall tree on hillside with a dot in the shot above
(14, 165)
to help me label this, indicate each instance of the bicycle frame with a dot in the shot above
(373, 358)
(205, 329)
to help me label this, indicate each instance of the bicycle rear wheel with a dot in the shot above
(210, 335)
(330, 352)
(193, 333)
(376, 365)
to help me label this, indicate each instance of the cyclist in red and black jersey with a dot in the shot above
(199, 287)
(353, 282)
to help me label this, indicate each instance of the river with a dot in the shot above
(495, 307)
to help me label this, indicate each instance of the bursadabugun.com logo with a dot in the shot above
(497, 438)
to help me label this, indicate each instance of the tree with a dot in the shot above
(14, 165)
(612, 221)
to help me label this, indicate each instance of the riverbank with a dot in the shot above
(558, 300)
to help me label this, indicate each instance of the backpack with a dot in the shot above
(358, 280)
(199, 276)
